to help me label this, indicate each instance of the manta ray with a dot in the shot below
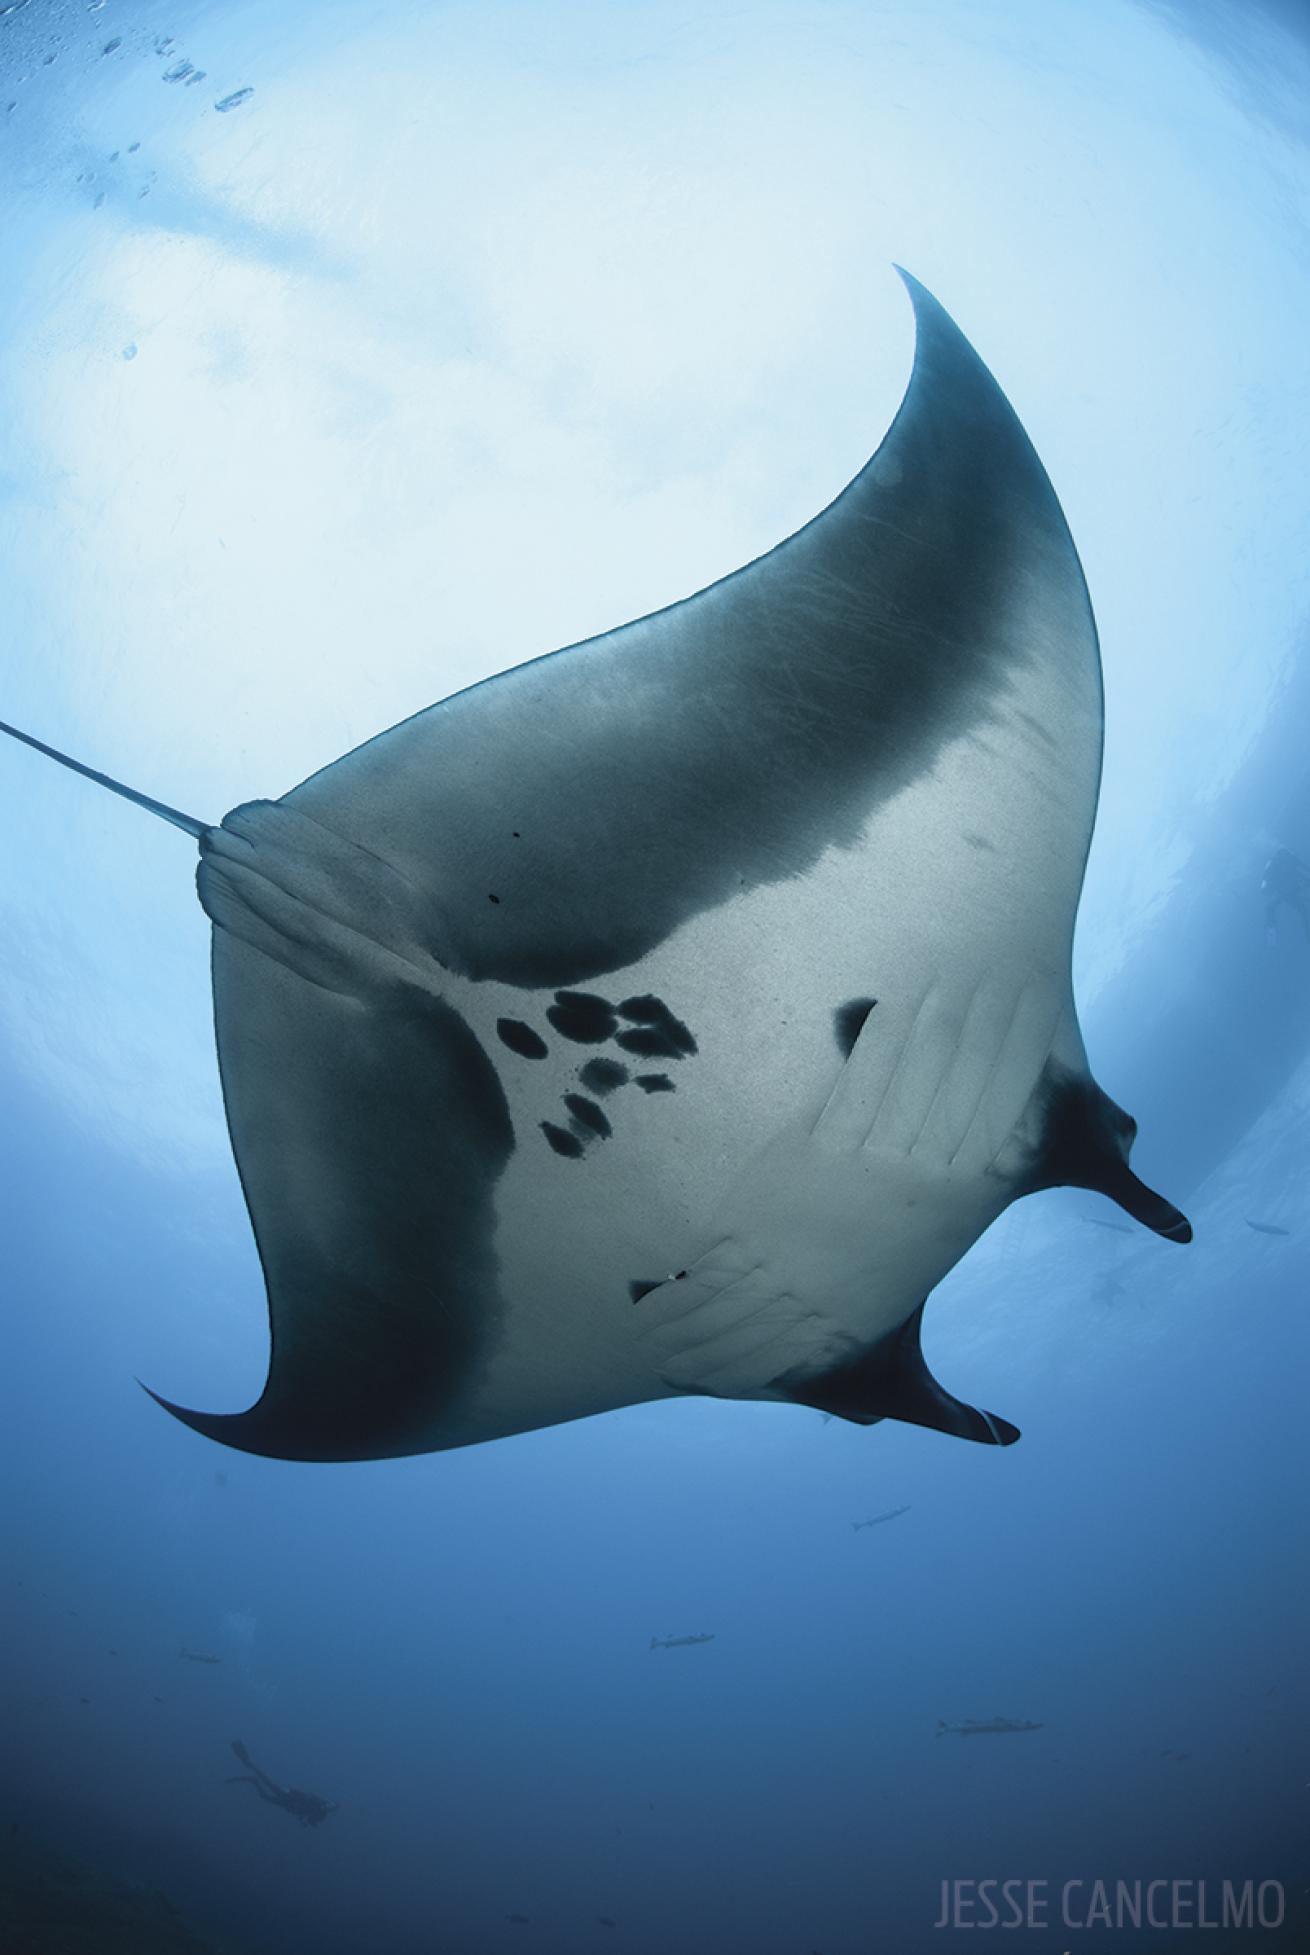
(669, 1014)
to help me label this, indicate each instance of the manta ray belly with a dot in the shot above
(837, 1231)
(780, 1200)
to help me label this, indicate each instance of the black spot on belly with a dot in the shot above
(521, 1038)
(655, 1083)
(655, 1014)
(562, 1141)
(603, 1075)
(588, 1114)
(648, 1042)
(848, 1023)
(639, 1290)
(582, 1017)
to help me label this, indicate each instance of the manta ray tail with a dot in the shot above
(892, 1381)
(187, 823)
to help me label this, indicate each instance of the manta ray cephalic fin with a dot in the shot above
(1086, 1141)
(892, 1381)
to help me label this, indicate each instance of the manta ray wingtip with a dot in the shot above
(225, 1428)
(921, 298)
(326, 1436)
(198, 1421)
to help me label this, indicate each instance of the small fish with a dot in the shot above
(978, 1727)
(1266, 1228)
(677, 1642)
(892, 1514)
(193, 1656)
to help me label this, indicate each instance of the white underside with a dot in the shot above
(812, 1201)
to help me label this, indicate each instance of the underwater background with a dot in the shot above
(348, 355)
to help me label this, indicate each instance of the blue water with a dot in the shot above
(409, 342)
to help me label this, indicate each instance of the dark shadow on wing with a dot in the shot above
(606, 794)
(369, 1144)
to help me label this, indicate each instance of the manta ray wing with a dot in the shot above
(735, 737)
(734, 942)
